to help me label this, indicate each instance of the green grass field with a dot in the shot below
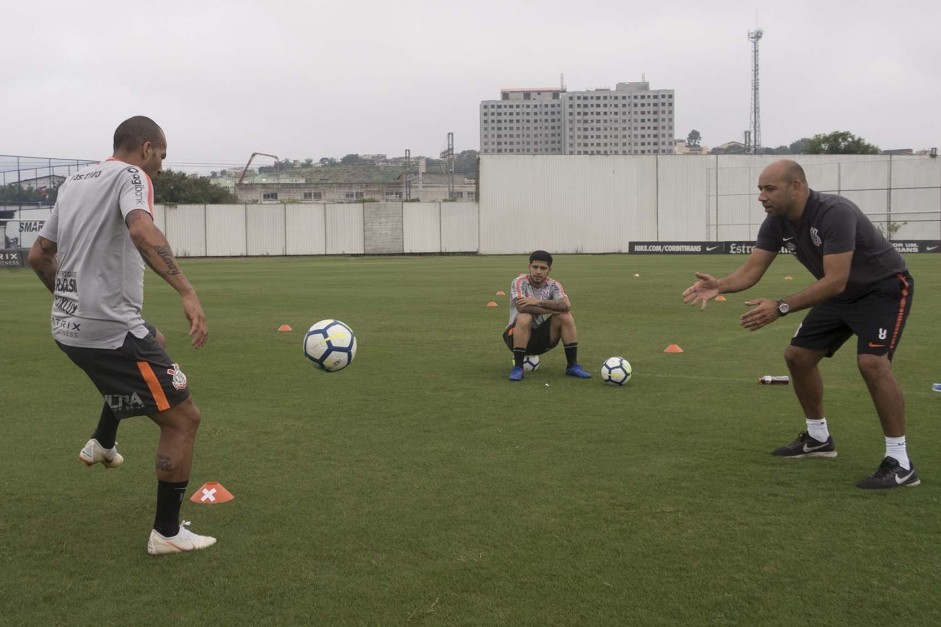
(419, 486)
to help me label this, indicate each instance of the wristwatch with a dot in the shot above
(783, 308)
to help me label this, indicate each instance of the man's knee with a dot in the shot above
(873, 367)
(184, 418)
(523, 320)
(801, 358)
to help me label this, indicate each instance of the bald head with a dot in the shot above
(783, 190)
(787, 171)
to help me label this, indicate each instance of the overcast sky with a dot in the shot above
(312, 79)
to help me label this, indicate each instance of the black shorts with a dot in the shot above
(876, 317)
(138, 379)
(540, 338)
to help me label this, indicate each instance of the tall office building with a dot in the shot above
(631, 119)
(523, 121)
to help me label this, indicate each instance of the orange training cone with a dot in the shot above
(721, 298)
(789, 278)
(285, 327)
(501, 293)
(491, 304)
(212, 493)
(673, 348)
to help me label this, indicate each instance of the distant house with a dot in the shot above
(330, 184)
(357, 183)
(434, 187)
(729, 148)
(681, 147)
(50, 181)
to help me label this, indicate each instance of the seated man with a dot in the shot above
(540, 315)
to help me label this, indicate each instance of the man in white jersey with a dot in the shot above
(540, 315)
(90, 254)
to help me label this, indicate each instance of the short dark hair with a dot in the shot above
(133, 132)
(541, 255)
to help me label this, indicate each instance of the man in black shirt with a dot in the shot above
(863, 288)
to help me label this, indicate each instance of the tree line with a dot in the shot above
(465, 163)
(835, 143)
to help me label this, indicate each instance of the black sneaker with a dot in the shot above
(890, 474)
(806, 446)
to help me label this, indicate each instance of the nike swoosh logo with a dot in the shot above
(811, 449)
(787, 239)
(874, 345)
(900, 480)
(931, 248)
(708, 248)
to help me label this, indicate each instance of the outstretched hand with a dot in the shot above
(193, 310)
(702, 291)
(763, 312)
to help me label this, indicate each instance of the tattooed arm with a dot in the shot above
(156, 252)
(42, 258)
(536, 306)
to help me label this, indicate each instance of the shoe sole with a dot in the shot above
(910, 484)
(89, 464)
(814, 454)
(168, 548)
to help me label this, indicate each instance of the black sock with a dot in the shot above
(107, 429)
(518, 355)
(169, 499)
(571, 353)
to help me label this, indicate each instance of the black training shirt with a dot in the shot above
(830, 225)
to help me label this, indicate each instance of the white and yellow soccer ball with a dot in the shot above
(616, 371)
(330, 345)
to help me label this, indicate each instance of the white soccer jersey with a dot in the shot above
(549, 290)
(99, 288)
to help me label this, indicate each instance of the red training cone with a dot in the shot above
(212, 493)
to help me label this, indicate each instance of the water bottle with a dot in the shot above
(771, 380)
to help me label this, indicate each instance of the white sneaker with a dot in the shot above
(184, 540)
(94, 453)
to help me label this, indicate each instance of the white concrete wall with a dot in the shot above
(421, 227)
(305, 230)
(565, 204)
(344, 224)
(186, 229)
(460, 227)
(225, 230)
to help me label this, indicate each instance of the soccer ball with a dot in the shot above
(616, 371)
(530, 363)
(330, 345)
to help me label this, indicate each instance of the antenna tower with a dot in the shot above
(754, 36)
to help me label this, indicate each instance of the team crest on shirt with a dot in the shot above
(179, 379)
(815, 236)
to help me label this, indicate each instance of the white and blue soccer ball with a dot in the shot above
(330, 345)
(530, 363)
(616, 371)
